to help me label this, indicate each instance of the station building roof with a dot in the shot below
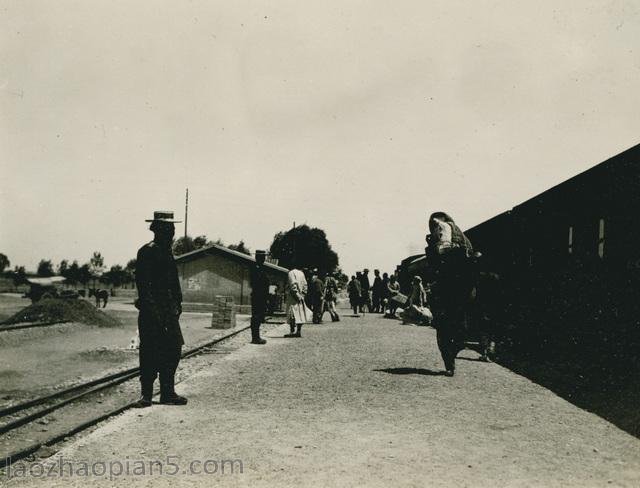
(237, 256)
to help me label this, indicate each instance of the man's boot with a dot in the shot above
(168, 395)
(255, 336)
(298, 329)
(145, 397)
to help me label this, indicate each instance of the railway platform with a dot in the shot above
(361, 402)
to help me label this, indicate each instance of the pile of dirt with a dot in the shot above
(62, 310)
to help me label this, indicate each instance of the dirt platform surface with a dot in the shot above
(358, 403)
(38, 361)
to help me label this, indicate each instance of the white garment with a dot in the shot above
(296, 293)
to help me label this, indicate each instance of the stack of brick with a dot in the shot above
(224, 315)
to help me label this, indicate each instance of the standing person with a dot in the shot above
(393, 289)
(160, 305)
(331, 296)
(296, 292)
(355, 294)
(448, 253)
(366, 288)
(259, 297)
(376, 291)
(316, 297)
(360, 304)
(384, 300)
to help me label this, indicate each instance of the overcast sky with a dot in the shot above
(359, 117)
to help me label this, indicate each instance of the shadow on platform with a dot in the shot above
(422, 371)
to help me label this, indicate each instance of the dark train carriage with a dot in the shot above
(494, 240)
(573, 265)
(408, 268)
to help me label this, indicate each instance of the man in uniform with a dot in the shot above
(160, 304)
(259, 297)
(316, 297)
(376, 290)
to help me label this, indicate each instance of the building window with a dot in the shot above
(570, 248)
(601, 239)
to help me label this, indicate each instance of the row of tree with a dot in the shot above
(187, 244)
(299, 247)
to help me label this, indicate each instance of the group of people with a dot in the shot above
(308, 295)
(451, 290)
(376, 297)
(448, 297)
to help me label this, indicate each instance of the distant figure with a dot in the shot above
(297, 311)
(487, 308)
(384, 298)
(376, 291)
(316, 297)
(416, 310)
(331, 297)
(449, 259)
(355, 294)
(366, 288)
(393, 289)
(100, 295)
(160, 304)
(259, 297)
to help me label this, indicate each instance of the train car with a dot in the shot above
(570, 257)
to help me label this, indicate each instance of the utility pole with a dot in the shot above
(186, 212)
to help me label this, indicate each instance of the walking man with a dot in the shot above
(448, 254)
(316, 297)
(160, 305)
(331, 297)
(355, 295)
(376, 291)
(259, 297)
(366, 288)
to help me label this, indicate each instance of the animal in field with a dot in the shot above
(100, 295)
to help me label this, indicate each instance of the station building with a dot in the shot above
(218, 271)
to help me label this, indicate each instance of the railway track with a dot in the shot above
(38, 408)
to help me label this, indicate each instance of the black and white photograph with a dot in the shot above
(354, 243)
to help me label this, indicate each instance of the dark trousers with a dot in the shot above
(159, 352)
(318, 311)
(158, 360)
(451, 333)
(258, 314)
(376, 302)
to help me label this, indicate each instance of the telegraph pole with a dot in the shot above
(186, 212)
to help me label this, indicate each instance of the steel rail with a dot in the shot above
(104, 383)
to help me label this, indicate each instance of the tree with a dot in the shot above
(240, 247)
(187, 244)
(4, 262)
(116, 276)
(96, 266)
(130, 271)
(63, 267)
(19, 276)
(45, 268)
(73, 273)
(183, 245)
(304, 247)
(200, 242)
(84, 274)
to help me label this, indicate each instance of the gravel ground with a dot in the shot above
(40, 360)
(359, 403)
